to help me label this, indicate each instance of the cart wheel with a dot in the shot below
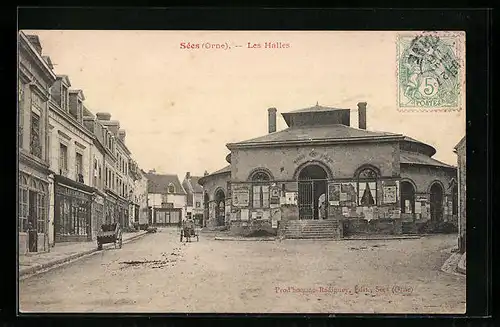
(120, 242)
(181, 236)
(99, 246)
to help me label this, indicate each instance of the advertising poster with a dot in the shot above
(241, 196)
(390, 194)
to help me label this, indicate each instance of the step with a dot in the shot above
(312, 237)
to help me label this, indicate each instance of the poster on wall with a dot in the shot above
(274, 223)
(368, 213)
(244, 214)
(275, 195)
(334, 194)
(390, 194)
(418, 207)
(291, 198)
(275, 213)
(348, 194)
(408, 206)
(241, 197)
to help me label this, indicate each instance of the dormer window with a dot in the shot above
(64, 98)
(171, 188)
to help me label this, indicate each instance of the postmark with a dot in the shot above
(430, 71)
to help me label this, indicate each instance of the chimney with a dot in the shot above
(272, 119)
(188, 175)
(122, 134)
(35, 41)
(206, 173)
(103, 116)
(362, 115)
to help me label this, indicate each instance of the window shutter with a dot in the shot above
(265, 196)
(256, 196)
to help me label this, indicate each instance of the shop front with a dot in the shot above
(33, 212)
(72, 210)
(98, 213)
(122, 212)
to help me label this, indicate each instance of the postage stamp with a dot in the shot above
(430, 71)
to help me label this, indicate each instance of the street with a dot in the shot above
(157, 273)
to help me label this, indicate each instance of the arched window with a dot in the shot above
(171, 188)
(260, 176)
(367, 187)
(260, 181)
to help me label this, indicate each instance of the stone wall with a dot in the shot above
(342, 160)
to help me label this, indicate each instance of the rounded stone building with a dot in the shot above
(320, 177)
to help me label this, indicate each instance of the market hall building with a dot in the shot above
(322, 177)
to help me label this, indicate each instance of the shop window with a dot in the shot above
(63, 159)
(35, 140)
(21, 87)
(367, 187)
(41, 212)
(23, 209)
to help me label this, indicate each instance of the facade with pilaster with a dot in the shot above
(35, 78)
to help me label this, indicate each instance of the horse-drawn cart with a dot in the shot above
(188, 230)
(110, 233)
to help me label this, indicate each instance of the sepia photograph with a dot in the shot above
(175, 171)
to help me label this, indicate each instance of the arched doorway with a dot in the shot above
(436, 202)
(220, 207)
(206, 201)
(312, 197)
(407, 198)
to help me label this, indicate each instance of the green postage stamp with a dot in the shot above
(431, 71)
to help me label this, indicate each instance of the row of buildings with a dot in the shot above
(75, 170)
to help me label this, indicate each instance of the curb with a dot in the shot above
(245, 239)
(380, 238)
(451, 264)
(461, 267)
(46, 266)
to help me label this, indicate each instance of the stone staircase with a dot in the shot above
(313, 229)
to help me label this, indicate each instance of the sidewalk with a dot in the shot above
(63, 253)
(454, 265)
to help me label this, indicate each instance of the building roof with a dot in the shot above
(191, 185)
(415, 158)
(224, 170)
(460, 143)
(426, 148)
(158, 183)
(78, 92)
(65, 79)
(333, 132)
(87, 112)
(316, 108)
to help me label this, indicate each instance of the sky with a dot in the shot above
(180, 106)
